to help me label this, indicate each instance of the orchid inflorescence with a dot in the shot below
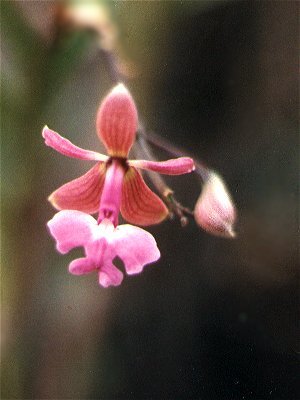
(113, 185)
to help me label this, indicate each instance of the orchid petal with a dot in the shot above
(177, 166)
(117, 121)
(109, 275)
(83, 193)
(135, 247)
(71, 229)
(81, 266)
(139, 205)
(65, 147)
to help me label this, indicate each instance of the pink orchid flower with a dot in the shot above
(116, 127)
(114, 184)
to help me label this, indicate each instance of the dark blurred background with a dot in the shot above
(214, 318)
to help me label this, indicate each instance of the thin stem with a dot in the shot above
(111, 61)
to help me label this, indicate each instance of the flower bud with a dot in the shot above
(94, 16)
(214, 210)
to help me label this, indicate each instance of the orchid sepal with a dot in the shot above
(67, 148)
(176, 166)
(139, 205)
(117, 121)
(82, 193)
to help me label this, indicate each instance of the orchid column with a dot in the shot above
(114, 184)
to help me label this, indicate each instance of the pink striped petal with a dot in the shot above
(83, 193)
(81, 266)
(139, 205)
(71, 229)
(109, 275)
(117, 121)
(177, 166)
(65, 147)
(135, 247)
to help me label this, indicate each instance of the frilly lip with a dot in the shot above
(102, 243)
(117, 121)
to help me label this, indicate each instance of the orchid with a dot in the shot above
(116, 127)
(113, 185)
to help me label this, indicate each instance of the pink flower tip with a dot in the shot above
(120, 89)
(45, 134)
(43, 131)
(117, 121)
(214, 210)
(102, 244)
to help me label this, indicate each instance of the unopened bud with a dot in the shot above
(214, 210)
(95, 16)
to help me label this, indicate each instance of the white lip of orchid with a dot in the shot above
(104, 229)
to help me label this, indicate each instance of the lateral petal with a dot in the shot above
(117, 121)
(67, 148)
(176, 166)
(139, 205)
(71, 229)
(135, 247)
(83, 193)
